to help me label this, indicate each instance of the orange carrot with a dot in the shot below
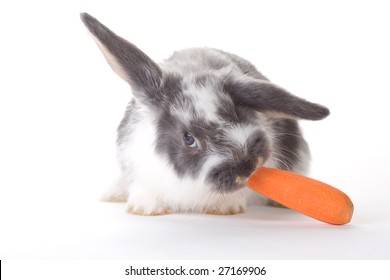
(305, 195)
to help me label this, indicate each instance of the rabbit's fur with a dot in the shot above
(197, 127)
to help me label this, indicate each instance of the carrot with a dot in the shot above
(302, 194)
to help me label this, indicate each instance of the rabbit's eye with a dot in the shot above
(190, 140)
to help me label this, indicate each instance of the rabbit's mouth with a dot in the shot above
(227, 178)
(241, 180)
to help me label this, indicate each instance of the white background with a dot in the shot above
(60, 104)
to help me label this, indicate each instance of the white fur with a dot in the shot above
(204, 98)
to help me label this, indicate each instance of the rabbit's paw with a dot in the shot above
(147, 207)
(226, 210)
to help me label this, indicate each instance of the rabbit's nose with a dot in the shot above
(245, 168)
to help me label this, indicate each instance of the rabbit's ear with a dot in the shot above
(270, 99)
(129, 62)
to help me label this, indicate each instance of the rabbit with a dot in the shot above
(198, 125)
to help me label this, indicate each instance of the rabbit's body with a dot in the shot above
(198, 126)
